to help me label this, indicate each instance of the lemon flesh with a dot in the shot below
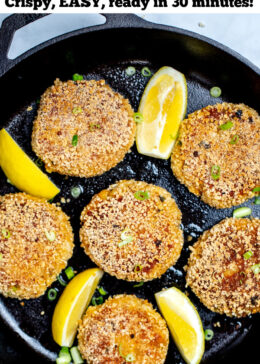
(72, 304)
(21, 171)
(184, 323)
(163, 106)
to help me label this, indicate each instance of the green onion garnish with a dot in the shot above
(130, 358)
(97, 300)
(74, 141)
(61, 281)
(140, 284)
(208, 334)
(75, 354)
(52, 294)
(6, 234)
(138, 268)
(226, 126)
(146, 72)
(39, 162)
(64, 356)
(142, 195)
(215, 172)
(242, 211)
(1, 256)
(102, 291)
(234, 139)
(125, 238)
(77, 110)
(256, 268)
(215, 91)
(248, 254)
(257, 200)
(76, 191)
(69, 273)
(50, 235)
(77, 77)
(130, 71)
(64, 351)
(138, 118)
(256, 189)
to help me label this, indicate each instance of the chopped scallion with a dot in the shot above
(1, 256)
(138, 118)
(75, 354)
(208, 334)
(226, 126)
(248, 255)
(76, 191)
(142, 195)
(97, 300)
(130, 71)
(256, 268)
(257, 200)
(52, 294)
(77, 77)
(256, 189)
(39, 162)
(63, 360)
(146, 72)
(6, 234)
(126, 238)
(50, 235)
(242, 211)
(64, 351)
(102, 291)
(77, 110)
(69, 273)
(61, 281)
(138, 268)
(74, 141)
(234, 139)
(130, 358)
(140, 284)
(215, 91)
(215, 172)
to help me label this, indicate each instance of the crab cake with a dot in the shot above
(217, 154)
(83, 128)
(224, 266)
(36, 240)
(124, 329)
(132, 230)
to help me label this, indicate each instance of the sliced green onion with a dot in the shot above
(102, 291)
(76, 357)
(130, 71)
(242, 211)
(138, 268)
(63, 359)
(256, 189)
(64, 351)
(142, 195)
(138, 118)
(50, 235)
(1, 256)
(208, 334)
(77, 77)
(257, 200)
(226, 126)
(6, 234)
(77, 110)
(215, 172)
(248, 254)
(234, 139)
(256, 268)
(39, 162)
(126, 238)
(52, 294)
(76, 191)
(69, 273)
(97, 300)
(74, 141)
(146, 72)
(130, 358)
(140, 284)
(215, 91)
(61, 281)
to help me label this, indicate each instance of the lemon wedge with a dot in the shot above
(163, 107)
(184, 323)
(21, 171)
(72, 304)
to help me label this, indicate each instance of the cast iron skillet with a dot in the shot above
(104, 52)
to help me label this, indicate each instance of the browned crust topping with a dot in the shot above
(101, 119)
(202, 144)
(123, 325)
(218, 272)
(30, 262)
(153, 226)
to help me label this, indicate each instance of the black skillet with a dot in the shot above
(104, 52)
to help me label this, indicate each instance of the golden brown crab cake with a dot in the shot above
(132, 230)
(36, 240)
(123, 329)
(83, 128)
(224, 267)
(217, 154)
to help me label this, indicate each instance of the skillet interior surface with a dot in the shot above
(105, 55)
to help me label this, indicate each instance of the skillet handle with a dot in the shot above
(9, 27)
(125, 21)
